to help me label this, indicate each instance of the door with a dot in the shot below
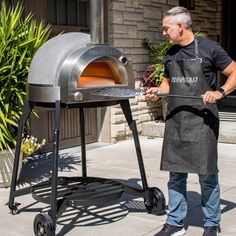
(42, 126)
(228, 43)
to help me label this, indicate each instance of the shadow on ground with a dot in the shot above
(93, 215)
(39, 167)
(195, 214)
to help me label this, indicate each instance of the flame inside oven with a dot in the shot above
(100, 74)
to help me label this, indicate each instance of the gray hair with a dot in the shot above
(180, 15)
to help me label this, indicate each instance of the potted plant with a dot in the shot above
(19, 40)
(153, 75)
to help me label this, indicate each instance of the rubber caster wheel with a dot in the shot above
(43, 225)
(158, 202)
(14, 208)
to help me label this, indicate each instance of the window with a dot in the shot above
(189, 4)
(73, 13)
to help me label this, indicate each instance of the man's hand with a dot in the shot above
(211, 96)
(151, 94)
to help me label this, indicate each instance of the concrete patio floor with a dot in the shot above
(122, 217)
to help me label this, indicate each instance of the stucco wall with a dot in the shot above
(130, 21)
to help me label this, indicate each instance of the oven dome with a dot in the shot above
(67, 67)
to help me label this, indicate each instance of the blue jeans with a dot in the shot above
(210, 199)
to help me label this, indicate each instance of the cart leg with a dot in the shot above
(132, 124)
(26, 110)
(53, 211)
(154, 199)
(83, 148)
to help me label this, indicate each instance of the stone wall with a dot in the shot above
(130, 21)
(207, 18)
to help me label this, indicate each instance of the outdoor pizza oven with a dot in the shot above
(69, 68)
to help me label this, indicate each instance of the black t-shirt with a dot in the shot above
(214, 58)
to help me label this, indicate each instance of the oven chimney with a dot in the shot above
(97, 21)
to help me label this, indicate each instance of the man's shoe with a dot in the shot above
(211, 231)
(171, 230)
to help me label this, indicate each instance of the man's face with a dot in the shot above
(171, 30)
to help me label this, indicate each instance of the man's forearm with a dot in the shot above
(230, 84)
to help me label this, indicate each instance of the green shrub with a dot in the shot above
(157, 50)
(154, 73)
(19, 40)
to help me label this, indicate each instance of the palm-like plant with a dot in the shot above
(19, 40)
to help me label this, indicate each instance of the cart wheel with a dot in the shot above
(158, 202)
(14, 208)
(43, 225)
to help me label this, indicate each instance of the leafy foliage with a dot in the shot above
(157, 50)
(154, 73)
(19, 40)
(152, 76)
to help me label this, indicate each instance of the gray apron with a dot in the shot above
(191, 133)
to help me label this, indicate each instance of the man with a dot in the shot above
(192, 125)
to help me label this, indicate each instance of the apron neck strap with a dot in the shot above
(196, 48)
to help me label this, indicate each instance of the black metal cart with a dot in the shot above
(61, 192)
